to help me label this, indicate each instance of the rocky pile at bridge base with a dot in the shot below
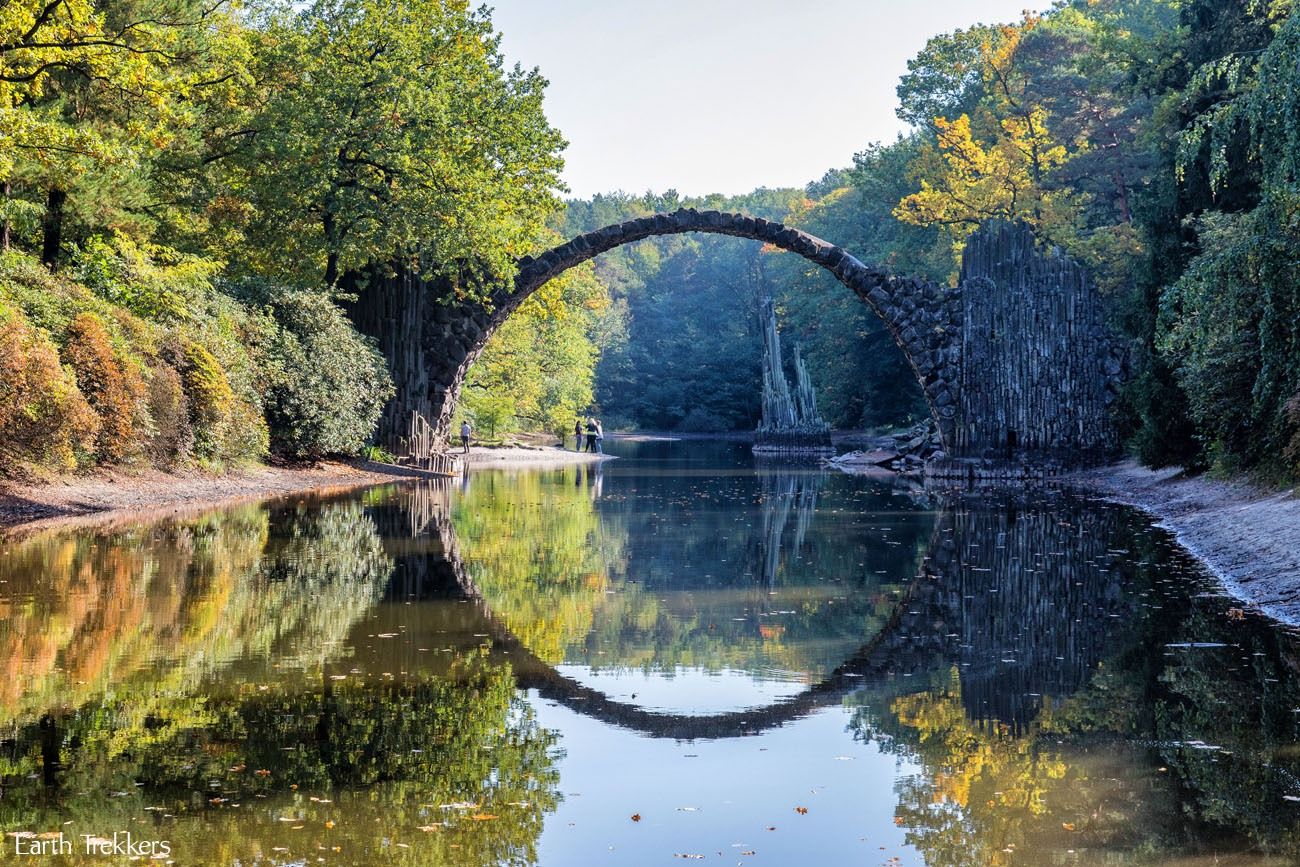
(904, 452)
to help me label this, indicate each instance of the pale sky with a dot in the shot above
(722, 96)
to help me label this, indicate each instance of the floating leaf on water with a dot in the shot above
(802, 811)
(636, 817)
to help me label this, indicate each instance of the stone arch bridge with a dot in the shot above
(1015, 361)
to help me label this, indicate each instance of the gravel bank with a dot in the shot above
(109, 492)
(151, 490)
(1248, 537)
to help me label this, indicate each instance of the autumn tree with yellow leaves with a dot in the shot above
(998, 161)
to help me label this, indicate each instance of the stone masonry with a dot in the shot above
(1013, 362)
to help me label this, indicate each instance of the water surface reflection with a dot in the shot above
(506, 671)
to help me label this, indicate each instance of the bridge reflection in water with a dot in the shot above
(1015, 597)
(1035, 662)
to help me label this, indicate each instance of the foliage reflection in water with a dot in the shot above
(506, 670)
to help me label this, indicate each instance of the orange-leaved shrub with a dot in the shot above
(173, 436)
(45, 422)
(227, 425)
(114, 389)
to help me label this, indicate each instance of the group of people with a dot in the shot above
(595, 435)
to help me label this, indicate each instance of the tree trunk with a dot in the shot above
(5, 191)
(51, 744)
(52, 227)
(330, 227)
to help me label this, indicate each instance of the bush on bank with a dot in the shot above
(323, 384)
(134, 357)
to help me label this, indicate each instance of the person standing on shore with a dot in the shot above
(465, 431)
(577, 435)
(591, 433)
(600, 438)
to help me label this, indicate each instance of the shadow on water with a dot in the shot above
(347, 672)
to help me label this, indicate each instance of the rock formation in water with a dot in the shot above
(791, 421)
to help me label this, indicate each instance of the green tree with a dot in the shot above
(862, 378)
(1230, 325)
(91, 96)
(393, 132)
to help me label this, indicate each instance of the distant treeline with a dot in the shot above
(687, 349)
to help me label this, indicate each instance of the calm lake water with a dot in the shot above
(676, 656)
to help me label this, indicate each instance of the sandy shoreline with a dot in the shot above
(1247, 537)
(109, 493)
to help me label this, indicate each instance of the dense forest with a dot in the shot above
(1153, 140)
(186, 186)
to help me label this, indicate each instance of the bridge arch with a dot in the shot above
(923, 317)
(1016, 361)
